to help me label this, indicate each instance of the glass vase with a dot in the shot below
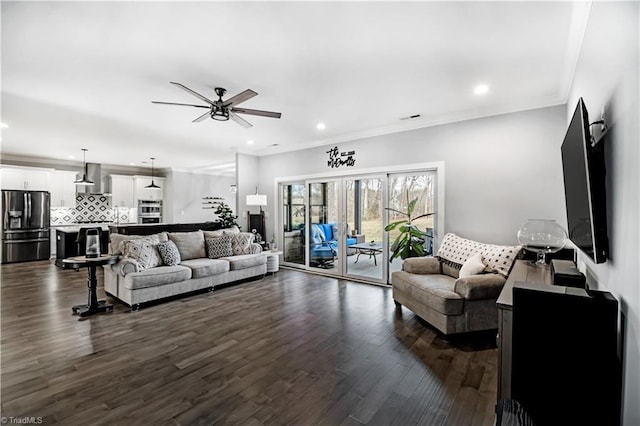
(542, 236)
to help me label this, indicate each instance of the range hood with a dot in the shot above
(93, 172)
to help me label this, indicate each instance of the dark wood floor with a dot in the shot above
(293, 348)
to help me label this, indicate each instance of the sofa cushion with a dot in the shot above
(116, 240)
(454, 251)
(219, 247)
(190, 244)
(142, 251)
(435, 291)
(244, 261)
(157, 276)
(213, 234)
(169, 253)
(232, 230)
(206, 267)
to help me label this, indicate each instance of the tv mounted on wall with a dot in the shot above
(584, 171)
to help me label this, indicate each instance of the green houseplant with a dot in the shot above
(410, 240)
(225, 215)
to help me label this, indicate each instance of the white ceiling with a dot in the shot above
(83, 74)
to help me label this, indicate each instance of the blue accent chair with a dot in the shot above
(324, 244)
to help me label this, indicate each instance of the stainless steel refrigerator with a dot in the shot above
(25, 226)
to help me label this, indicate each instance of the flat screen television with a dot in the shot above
(583, 166)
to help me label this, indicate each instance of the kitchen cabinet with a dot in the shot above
(142, 193)
(122, 191)
(63, 188)
(25, 178)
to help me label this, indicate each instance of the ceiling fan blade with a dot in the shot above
(175, 103)
(196, 94)
(240, 97)
(241, 121)
(202, 117)
(257, 112)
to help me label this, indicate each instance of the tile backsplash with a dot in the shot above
(90, 208)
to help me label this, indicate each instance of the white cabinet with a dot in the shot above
(143, 193)
(25, 178)
(122, 191)
(63, 188)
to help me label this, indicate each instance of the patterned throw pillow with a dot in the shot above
(143, 252)
(241, 243)
(169, 253)
(219, 247)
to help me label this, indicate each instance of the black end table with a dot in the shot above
(93, 306)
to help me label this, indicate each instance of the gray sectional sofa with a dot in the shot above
(456, 291)
(166, 264)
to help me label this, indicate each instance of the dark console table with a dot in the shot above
(558, 349)
(93, 306)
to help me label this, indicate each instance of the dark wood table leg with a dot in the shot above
(93, 306)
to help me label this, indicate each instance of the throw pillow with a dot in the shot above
(241, 243)
(190, 244)
(472, 266)
(219, 247)
(454, 251)
(169, 253)
(143, 252)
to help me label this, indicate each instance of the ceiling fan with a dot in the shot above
(222, 110)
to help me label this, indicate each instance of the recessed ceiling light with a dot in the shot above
(132, 164)
(321, 126)
(250, 142)
(4, 125)
(72, 157)
(481, 89)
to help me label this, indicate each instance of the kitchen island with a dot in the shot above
(67, 240)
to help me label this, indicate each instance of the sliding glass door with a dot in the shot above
(336, 225)
(403, 188)
(326, 228)
(365, 240)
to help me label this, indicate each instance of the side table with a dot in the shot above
(273, 260)
(93, 306)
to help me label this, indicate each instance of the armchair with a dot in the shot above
(456, 291)
(324, 244)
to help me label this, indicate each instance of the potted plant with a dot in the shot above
(410, 241)
(225, 215)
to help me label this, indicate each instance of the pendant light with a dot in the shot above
(84, 180)
(152, 185)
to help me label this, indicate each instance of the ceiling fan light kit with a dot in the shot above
(222, 110)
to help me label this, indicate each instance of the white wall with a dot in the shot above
(607, 76)
(500, 170)
(248, 180)
(184, 192)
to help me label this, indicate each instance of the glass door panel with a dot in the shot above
(325, 232)
(403, 188)
(366, 256)
(293, 215)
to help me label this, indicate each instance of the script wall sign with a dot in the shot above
(337, 158)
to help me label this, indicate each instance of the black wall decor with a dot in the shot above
(337, 158)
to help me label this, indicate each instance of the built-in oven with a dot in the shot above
(149, 219)
(149, 211)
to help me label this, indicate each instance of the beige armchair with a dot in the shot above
(432, 287)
